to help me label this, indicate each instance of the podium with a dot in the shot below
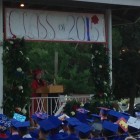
(49, 91)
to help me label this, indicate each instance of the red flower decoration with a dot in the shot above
(94, 19)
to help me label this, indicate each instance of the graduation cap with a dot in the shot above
(22, 124)
(82, 110)
(39, 116)
(96, 117)
(90, 120)
(73, 121)
(46, 125)
(118, 114)
(55, 121)
(83, 129)
(107, 125)
(19, 117)
(4, 122)
(124, 113)
(13, 122)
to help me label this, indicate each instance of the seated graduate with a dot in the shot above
(23, 130)
(114, 116)
(72, 123)
(14, 131)
(64, 129)
(54, 133)
(37, 117)
(4, 126)
(84, 131)
(45, 128)
(109, 130)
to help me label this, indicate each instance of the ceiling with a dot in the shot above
(120, 14)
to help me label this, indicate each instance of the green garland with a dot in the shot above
(16, 76)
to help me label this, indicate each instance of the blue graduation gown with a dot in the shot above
(15, 137)
(35, 133)
(27, 139)
(73, 137)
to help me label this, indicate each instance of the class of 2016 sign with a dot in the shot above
(54, 26)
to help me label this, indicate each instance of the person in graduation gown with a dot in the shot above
(84, 131)
(122, 134)
(36, 83)
(64, 129)
(23, 130)
(54, 133)
(72, 123)
(4, 125)
(37, 117)
(14, 132)
(109, 130)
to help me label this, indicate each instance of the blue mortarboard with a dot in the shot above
(90, 120)
(82, 110)
(73, 121)
(4, 122)
(118, 114)
(22, 124)
(46, 125)
(39, 116)
(13, 122)
(83, 128)
(124, 113)
(19, 117)
(54, 120)
(107, 125)
(96, 117)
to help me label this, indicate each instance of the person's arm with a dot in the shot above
(34, 86)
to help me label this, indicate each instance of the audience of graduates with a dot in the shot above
(108, 125)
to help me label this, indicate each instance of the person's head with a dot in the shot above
(43, 133)
(71, 129)
(22, 127)
(109, 129)
(84, 130)
(22, 131)
(13, 129)
(72, 123)
(37, 74)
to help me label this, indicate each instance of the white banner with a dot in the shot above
(54, 26)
